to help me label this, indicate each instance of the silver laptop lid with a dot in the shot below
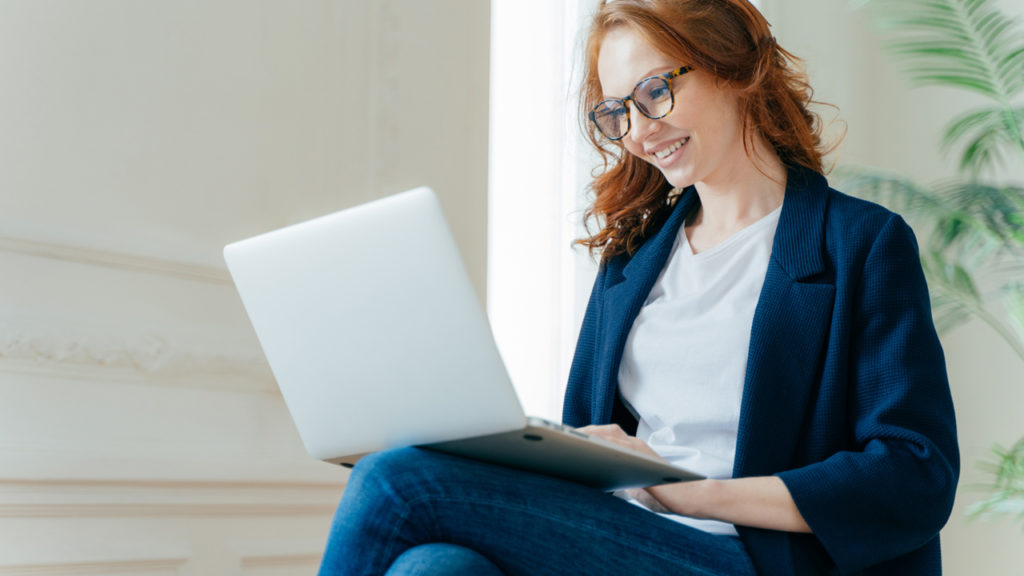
(370, 325)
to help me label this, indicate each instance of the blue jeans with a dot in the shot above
(415, 511)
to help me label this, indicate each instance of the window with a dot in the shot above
(537, 285)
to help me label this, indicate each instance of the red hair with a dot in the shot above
(728, 39)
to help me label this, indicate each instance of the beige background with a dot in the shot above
(140, 432)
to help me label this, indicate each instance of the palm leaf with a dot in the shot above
(1013, 300)
(970, 38)
(970, 45)
(994, 213)
(899, 193)
(953, 293)
(1011, 70)
(1007, 489)
(958, 212)
(947, 313)
(956, 297)
(986, 132)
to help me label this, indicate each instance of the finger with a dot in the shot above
(604, 430)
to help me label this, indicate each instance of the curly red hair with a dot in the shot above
(728, 39)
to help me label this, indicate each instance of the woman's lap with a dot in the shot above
(523, 523)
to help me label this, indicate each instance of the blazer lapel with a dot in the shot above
(789, 331)
(629, 281)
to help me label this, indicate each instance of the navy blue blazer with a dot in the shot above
(845, 399)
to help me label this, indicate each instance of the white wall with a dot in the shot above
(894, 127)
(538, 285)
(140, 430)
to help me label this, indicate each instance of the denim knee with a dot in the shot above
(395, 476)
(391, 459)
(442, 560)
(393, 466)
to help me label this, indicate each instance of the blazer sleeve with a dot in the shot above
(892, 491)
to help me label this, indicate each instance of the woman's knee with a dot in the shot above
(390, 464)
(401, 465)
(393, 476)
(442, 560)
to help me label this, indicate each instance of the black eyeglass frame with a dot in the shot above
(667, 77)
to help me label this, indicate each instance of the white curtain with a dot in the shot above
(537, 283)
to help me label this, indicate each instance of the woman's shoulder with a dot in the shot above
(814, 196)
(851, 218)
(852, 211)
(858, 231)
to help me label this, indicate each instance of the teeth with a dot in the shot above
(662, 154)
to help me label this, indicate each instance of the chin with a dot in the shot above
(678, 177)
(678, 180)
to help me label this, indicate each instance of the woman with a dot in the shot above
(747, 322)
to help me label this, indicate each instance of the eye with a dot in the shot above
(611, 110)
(654, 90)
(658, 92)
(617, 112)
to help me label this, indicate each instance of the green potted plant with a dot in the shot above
(971, 226)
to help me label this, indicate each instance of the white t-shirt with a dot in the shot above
(685, 359)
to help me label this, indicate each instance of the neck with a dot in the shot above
(750, 190)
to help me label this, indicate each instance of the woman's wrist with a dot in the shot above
(761, 502)
(694, 498)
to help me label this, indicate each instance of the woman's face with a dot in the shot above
(700, 140)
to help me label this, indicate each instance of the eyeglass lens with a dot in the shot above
(652, 97)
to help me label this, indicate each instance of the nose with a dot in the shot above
(640, 126)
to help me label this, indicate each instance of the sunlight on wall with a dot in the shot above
(535, 280)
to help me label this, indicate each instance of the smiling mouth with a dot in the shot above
(662, 154)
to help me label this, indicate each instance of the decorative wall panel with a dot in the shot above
(141, 431)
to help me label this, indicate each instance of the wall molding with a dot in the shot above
(153, 565)
(142, 510)
(46, 498)
(281, 560)
(298, 556)
(116, 260)
(233, 380)
(151, 356)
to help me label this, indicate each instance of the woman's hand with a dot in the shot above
(762, 502)
(613, 433)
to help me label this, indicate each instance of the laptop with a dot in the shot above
(375, 336)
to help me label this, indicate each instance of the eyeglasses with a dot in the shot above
(652, 96)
